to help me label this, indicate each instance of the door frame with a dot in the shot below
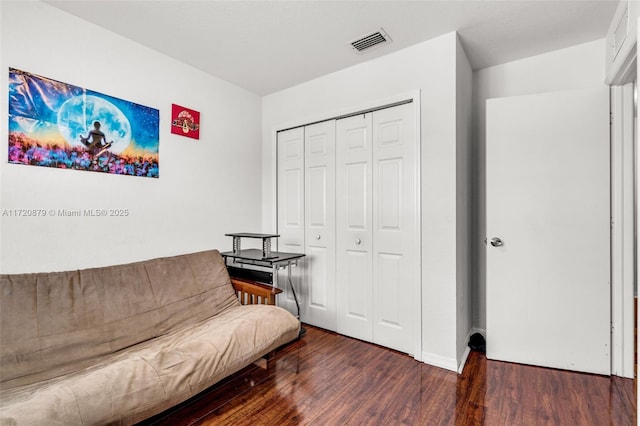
(623, 244)
(415, 97)
(625, 216)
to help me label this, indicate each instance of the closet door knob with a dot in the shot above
(318, 237)
(358, 241)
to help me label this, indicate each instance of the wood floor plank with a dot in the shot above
(328, 379)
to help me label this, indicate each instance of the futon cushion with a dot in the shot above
(56, 323)
(145, 379)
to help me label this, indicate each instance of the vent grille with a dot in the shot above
(370, 40)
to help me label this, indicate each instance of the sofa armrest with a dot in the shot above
(253, 293)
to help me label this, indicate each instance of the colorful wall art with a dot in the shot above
(55, 124)
(185, 122)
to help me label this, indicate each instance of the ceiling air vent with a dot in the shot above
(370, 40)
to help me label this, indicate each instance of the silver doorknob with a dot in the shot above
(496, 242)
(358, 241)
(318, 237)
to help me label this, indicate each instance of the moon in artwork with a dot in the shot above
(77, 114)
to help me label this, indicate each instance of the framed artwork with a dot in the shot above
(185, 122)
(56, 124)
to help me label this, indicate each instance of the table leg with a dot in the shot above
(295, 298)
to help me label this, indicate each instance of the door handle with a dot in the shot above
(496, 242)
(358, 240)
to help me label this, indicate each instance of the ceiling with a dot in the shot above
(267, 46)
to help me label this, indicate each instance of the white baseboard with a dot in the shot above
(440, 361)
(465, 355)
(451, 363)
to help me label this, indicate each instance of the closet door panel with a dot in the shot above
(319, 292)
(292, 182)
(354, 226)
(355, 186)
(394, 226)
(317, 178)
(291, 216)
(390, 266)
(357, 298)
(390, 189)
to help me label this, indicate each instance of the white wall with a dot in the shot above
(431, 68)
(576, 67)
(206, 187)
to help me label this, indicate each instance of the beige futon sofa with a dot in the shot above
(118, 344)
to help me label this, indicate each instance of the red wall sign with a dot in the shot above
(185, 122)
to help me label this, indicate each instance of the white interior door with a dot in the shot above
(290, 207)
(394, 226)
(548, 292)
(354, 226)
(319, 290)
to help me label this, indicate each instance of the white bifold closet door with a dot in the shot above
(290, 207)
(306, 220)
(376, 226)
(348, 198)
(354, 223)
(319, 289)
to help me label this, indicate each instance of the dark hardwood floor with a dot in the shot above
(328, 379)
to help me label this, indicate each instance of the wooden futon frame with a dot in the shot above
(254, 293)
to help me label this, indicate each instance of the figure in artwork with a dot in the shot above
(96, 141)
